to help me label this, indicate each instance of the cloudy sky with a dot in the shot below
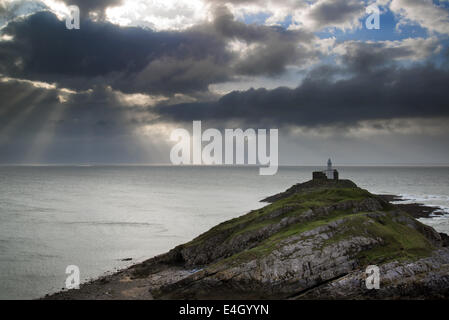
(112, 91)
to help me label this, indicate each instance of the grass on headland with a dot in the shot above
(296, 204)
(399, 241)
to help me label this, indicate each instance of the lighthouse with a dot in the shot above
(329, 171)
(329, 174)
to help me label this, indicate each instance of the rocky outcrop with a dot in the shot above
(310, 236)
(299, 262)
(313, 241)
(232, 240)
(427, 278)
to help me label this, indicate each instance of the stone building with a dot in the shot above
(328, 174)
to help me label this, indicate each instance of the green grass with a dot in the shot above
(321, 198)
(299, 203)
(400, 241)
(270, 244)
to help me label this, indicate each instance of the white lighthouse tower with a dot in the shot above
(329, 174)
(329, 171)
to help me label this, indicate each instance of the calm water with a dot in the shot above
(92, 217)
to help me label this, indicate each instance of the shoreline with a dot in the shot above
(415, 209)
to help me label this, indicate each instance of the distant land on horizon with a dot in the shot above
(228, 166)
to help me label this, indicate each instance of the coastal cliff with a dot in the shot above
(312, 241)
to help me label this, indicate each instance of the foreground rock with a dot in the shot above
(313, 241)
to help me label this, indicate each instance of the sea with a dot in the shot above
(99, 217)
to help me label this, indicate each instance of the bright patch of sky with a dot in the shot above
(261, 18)
(389, 30)
(255, 18)
(14, 9)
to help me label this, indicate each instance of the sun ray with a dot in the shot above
(46, 134)
(20, 118)
(10, 103)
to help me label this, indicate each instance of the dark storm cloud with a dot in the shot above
(382, 94)
(270, 59)
(335, 12)
(364, 56)
(274, 49)
(141, 60)
(370, 83)
(129, 59)
(226, 25)
(311, 15)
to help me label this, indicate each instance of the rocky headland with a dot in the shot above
(312, 241)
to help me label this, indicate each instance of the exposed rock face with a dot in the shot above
(313, 241)
(234, 239)
(427, 278)
(296, 264)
